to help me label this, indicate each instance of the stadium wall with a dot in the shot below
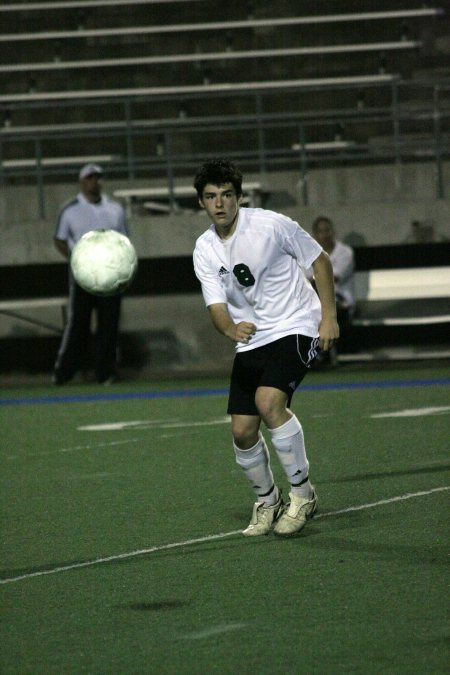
(165, 327)
(370, 206)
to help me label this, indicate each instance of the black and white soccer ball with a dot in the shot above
(104, 262)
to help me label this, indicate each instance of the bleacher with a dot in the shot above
(128, 78)
(149, 88)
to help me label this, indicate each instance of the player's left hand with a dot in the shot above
(328, 333)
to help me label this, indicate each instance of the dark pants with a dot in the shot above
(75, 348)
(344, 319)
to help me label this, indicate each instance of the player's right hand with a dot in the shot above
(244, 331)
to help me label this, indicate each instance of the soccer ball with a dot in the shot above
(104, 262)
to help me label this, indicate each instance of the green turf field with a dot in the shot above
(121, 511)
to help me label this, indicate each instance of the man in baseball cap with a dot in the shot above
(91, 182)
(89, 170)
(88, 210)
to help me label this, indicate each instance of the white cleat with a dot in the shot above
(263, 518)
(297, 512)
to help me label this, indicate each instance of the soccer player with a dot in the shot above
(90, 210)
(250, 264)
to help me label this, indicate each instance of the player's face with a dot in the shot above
(222, 205)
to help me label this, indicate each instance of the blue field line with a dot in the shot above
(184, 393)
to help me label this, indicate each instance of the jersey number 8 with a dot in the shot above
(243, 275)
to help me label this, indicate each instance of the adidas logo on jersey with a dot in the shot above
(223, 271)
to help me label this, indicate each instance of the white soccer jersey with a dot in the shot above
(258, 273)
(80, 216)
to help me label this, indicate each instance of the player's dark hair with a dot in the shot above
(218, 172)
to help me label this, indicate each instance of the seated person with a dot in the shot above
(342, 261)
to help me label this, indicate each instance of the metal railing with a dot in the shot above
(261, 140)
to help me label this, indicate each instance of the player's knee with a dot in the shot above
(271, 405)
(244, 435)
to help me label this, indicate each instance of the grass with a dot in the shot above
(361, 590)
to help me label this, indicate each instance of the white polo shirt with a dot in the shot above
(258, 273)
(342, 261)
(80, 216)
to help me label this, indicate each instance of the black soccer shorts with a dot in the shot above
(281, 364)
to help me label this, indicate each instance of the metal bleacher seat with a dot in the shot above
(204, 57)
(194, 89)
(66, 160)
(110, 77)
(193, 32)
(178, 28)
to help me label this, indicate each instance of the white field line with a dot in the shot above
(91, 446)
(136, 425)
(416, 412)
(149, 424)
(207, 538)
(176, 424)
(212, 631)
(107, 444)
(157, 424)
(183, 425)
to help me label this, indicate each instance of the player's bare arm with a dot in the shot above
(241, 332)
(62, 247)
(323, 275)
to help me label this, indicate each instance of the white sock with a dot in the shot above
(256, 465)
(289, 443)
